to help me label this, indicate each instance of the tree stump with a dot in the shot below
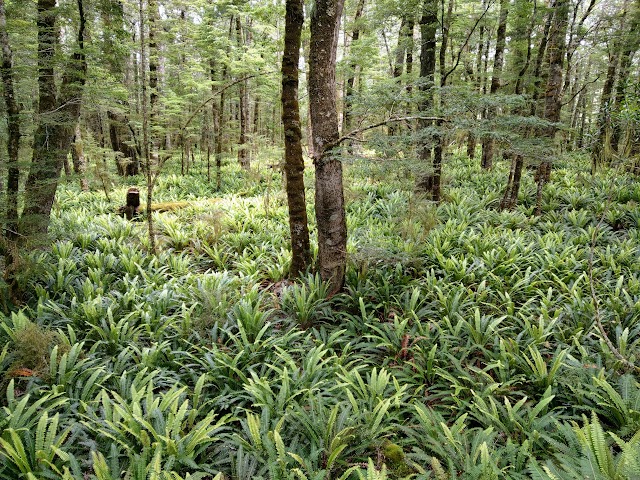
(132, 209)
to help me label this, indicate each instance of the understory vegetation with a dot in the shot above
(464, 345)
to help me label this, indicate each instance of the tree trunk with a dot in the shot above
(149, 107)
(329, 201)
(293, 162)
(522, 60)
(488, 143)
(537, 71)
(57, 119)
(10, 232)
(553, 92)
(243, 151)
(428, 27)
(347, 122)
(79, 161)
(403, 61)
(630, 46)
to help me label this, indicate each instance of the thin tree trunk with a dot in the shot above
(243, 152)
(522, 63)
(537, 71)
(347, 122)
(403, 61)
(293, 161)
(488, 143)
(329, 201)
(79, 161)
(553, 92)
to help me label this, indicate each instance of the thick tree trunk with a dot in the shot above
(57, 120)
(488, 143)
(329, 201)
(630, 47)
(553, 92)
(601, 152)
(428, 28)
(123, 143)
(293, 161)
(10, 232)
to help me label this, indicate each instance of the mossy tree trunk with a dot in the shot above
(10, 233)
(488, 143)
(293, 160)
(329, 201)
(553, 91)
(428, 28)
(58, 115)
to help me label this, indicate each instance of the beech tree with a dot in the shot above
(58, 113)
(293, 161)
(329, 201)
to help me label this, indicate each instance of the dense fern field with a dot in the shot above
(468, 342)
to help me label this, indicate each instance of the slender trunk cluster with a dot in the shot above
(488, 143)
(553, 92)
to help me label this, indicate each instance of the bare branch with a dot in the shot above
(464, 45)
(219, 91)
(352, 134)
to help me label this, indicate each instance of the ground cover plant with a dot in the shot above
(465, 344)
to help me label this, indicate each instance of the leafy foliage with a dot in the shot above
(464, 344)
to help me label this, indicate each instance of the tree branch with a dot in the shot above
(357, 131)
(466, 40)
(215, 94)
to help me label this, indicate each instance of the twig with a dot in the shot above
(581, 90)
(218, 92)
(353, 133)
(466, 40)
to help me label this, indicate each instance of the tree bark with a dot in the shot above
(243, 151)
(630, 47)
(522, 37)
(329, 201)
(78, 159)
(10, 232)
(553, 92)
(428, 28)
(293, 161)
(57, 119)
(488, 143)
(347, 123)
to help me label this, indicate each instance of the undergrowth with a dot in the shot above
(464, 344)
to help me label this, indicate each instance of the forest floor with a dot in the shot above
(465, 343)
